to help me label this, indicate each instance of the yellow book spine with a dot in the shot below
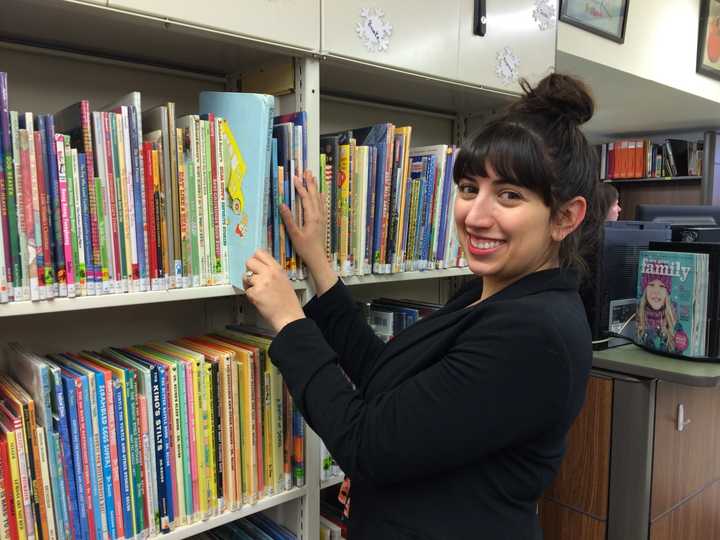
(344, 191)
(179, 487)
(267, 433)
(201, 441)
(17, 487)
(210, 433)
(399, 264)
(239, 479)
(197, 414)
(277, 429)
(227, 412)
(248, 416)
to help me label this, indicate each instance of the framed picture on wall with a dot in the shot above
(606, 18)
(708, 54)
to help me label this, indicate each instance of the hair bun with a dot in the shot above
(557, 95)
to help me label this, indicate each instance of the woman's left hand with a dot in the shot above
(270, 291)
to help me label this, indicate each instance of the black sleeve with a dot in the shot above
(502, 383)
(346, 331)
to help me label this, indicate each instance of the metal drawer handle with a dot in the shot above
(681, 421)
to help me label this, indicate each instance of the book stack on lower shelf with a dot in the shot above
(167, 437)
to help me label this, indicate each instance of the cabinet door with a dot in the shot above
(686, 461)
(421, 37)
(519, 41)
(290, 22)
(583, 478)
(698, 519)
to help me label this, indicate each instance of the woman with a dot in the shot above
(658, 326)
(609, 199)
(455, 427)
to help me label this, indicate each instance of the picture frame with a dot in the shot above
(708, 49)
(605, 18)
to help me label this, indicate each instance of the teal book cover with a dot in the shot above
(248, 130)
(672, 302)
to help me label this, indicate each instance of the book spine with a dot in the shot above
(134, 220)
(87, 410)
(79, 481)
(41, 144)
(47, 501)
(106, 460)
(6, 183)
(123, 460)
(140, 196)
(182, 452)
(134, 440)
(78, 230)
(120, 196)
(9, 523)
(28, 232)
(18, 488)
(128, 212)
(22, 288)
(36, 233)
(194, 422)
(215, 194)
(64, 458)
(166, 453)
(159, 447)
(183, 207)
(110, 208)
(171, 194)
(65, 217)
(217, 493)
(87, 233)
(148, 513)
(188, 411)
(148, 188)
(160, 229)
(223, 163)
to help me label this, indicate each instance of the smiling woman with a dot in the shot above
(458, 424)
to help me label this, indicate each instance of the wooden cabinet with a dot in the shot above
(590, 430)
(557, 520)
(629, 474)
(686, 461)
(290, 22)
(520, 38)
(698, 519)
(423, 36)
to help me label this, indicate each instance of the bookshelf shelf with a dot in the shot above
(332, 481)
(656, 180)
(405, 276)
(58, 305)
(227, 517)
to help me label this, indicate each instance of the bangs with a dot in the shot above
(514, 152)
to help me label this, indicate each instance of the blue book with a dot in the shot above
(249, 133)
(60, 421)
(444, 209)
(270, 527)
(90, 271)
(104, 447)
(49, 271)
(71, 408)
(274, 223)
(90, 434)
(428, 211)
(54, 208)
(123, 458)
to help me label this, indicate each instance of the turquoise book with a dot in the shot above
(248, 131)
(672, 294)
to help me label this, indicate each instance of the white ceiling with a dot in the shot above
(628, 105)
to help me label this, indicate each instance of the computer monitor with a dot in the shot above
(679, 214)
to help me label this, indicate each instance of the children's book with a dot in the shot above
(248, 130)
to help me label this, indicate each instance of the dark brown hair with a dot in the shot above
(607, 196)
(537, 143)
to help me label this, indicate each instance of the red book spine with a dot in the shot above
(8, 501)
(150, 211)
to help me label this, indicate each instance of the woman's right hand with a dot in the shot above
(308, 239)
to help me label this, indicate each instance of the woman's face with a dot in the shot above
(505, 230)
(614, 211)
(656, 294)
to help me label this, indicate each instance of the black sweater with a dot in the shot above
(458, 424)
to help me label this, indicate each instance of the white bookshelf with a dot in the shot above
(266, 503)
(332, 481)
(58, 52)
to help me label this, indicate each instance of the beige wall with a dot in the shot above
(660, 45)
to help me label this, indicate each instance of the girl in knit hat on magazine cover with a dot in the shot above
(658, 326)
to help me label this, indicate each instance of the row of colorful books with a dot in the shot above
(120, 200)
(642, 158)
(388, 317)
(255, 527)
(389, 205)
(131, 442)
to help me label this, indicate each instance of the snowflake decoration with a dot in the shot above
(544, 14)
(373, 30)
(507, 65)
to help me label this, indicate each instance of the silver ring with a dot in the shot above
(249, 274)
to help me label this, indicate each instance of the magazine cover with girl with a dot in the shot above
(672, 302)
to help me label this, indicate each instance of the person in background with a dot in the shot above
(609, 198)
(456, 427)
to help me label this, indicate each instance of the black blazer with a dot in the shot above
(458, 424)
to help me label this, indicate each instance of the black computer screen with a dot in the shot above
(679, 214)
